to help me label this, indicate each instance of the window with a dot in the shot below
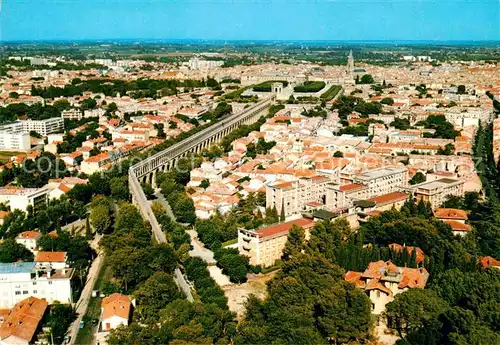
(25, 292)
(34, 283)
(50, 283)
(35, 292)
(18, 293)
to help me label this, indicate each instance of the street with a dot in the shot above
(83, 301)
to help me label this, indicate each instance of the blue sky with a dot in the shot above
(250, 19)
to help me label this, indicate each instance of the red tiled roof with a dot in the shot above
(350, 187)
(50, 257)
(457, 226)
(488, 261)
(116, 304)
(28, 235)
(389, 198)
(284, 228)
(450, 213)
(22, 321)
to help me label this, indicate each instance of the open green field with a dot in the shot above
(310, 86)
(266, 86)
(330, 93)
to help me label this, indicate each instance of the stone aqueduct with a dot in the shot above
(145, 171)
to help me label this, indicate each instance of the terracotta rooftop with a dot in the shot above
(457, 226)
(116, 304)
(284, 228)
(389, 198)
(22, 321)
(488, 261)
(351, 187)
(28, 235)
(450, 213)
(50, 257)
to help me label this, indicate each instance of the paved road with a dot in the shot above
(83, 301)
(199, 250)
(160, 198)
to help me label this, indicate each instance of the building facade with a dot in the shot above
(20, 280)
(265, 246)
(295, 195)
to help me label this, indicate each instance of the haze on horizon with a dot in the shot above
(361, 20)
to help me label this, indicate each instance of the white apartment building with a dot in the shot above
(294, 195)
(196, 63)
(19, 280)
(435, 192)
(15, 141)
(383, 180)
(20, 198)
(44, 127)
(72, 114)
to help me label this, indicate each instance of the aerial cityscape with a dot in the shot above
(249, 172)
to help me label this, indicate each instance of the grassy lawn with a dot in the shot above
(86, 334)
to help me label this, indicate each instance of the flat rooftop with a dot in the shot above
(380, 172)
(443, 182)
(16, 267)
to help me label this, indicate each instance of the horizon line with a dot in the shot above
(206, 40)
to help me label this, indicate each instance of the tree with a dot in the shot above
(338, 154)
(205, 184)
(154, 294)
(13, 94)
(461, 89)
(387, 100)
(62, 104)
(88, 230)
(295, 242)
(11, 251)
(367, 79)
(410, 310)
(282, 213)
(119, 188)
(148, 190)
(418, 178)
(100, 218)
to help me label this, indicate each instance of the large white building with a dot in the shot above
(383, 180)
(42, 127)
(20, 198)
(19, 280)
(15, 141)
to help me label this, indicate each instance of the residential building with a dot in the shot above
(15, 141)
(265, 246)
(44, 127)
(383, 280)
(293, 196)
(20, 198)
(383, 180)
(54, 260)
(435, 192)
(19, 280)
(115, 311)
(20, 325)
(29, 239)
(388, 201)
(72, 114)
(456, 218)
